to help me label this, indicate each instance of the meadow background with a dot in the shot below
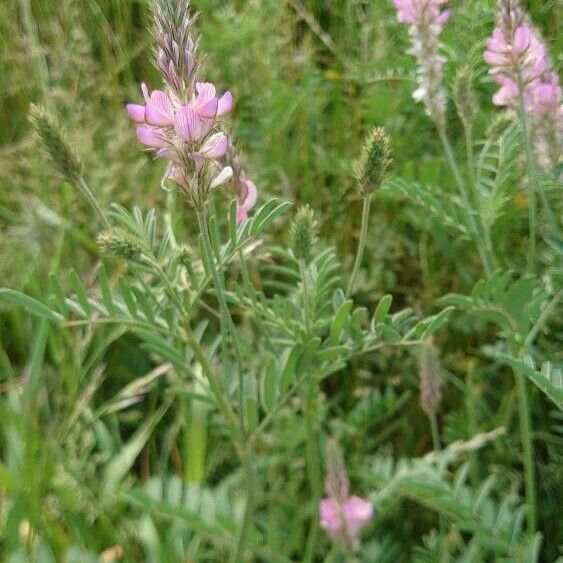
(309, 78)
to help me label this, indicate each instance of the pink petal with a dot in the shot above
(205, 92)
(225, 103)
(208, 109)
(493, 58)
(330, 519)
(443, 18)
(357, 513)
(187, 124)
(160, 111)
(251, 194)
(150, 137)
(136, 112)
(522, 38)
(224, 176)
(216, 146)
(242, 214)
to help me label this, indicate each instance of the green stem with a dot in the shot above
(471, 408)
(524, 416)
(435, 432)
(475, 227)
(250, 478)
(89, 195)
(313, 467)
(225, 313)
(361, 244)
(532, 172)
(532, 179)
(245, 449)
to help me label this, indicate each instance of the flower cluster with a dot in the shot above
(519, 64)
(341, 515)
(426, 20)
(180, 123)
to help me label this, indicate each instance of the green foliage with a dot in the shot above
(127, 421)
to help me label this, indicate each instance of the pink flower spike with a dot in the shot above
(225, 104)
(150, 137)
(215, 147)
(160, 111)
(224, 176)
(187, 124)
(136, 112)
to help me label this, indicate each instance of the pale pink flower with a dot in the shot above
(341, 515)
(520, 65)
(426, 20)
(344, 521)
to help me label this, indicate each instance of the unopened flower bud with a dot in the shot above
(430, 378)
(121, 243)
(303, 233)
(184, 255)
(374, 162)
(56, 143)
(464, 95)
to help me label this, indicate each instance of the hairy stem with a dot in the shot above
(361, 244)
(225, 313)
(245, 447)
(525, 420)
(89, 195)
(313, 467)
(532, 179)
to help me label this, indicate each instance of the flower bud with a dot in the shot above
(121, 243)
(374, 162)
(464, 96)
(56, 143)
(303, 233)
(430, 378)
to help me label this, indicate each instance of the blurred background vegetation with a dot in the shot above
(309, 78)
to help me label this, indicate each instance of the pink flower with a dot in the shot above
(246, 199)
(514, 56)
(344, 521)
(426, 20)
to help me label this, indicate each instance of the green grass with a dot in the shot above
(110, 440)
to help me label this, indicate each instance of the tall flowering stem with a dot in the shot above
(425, 20)
(528, 87)
(371, 170)
(182, 124)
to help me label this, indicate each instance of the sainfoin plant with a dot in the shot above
(225, 376)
